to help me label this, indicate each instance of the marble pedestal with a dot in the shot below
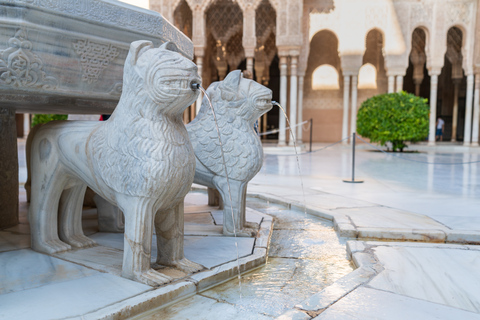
(8, 169)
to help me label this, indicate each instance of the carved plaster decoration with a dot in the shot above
(117, 89)
(224, 19)
(94, 57)
(183, 18)
(421, 13)
(20, 67)
(458, 12)
(140, 159)
(265, 21)
(238, 103)
(376, 16)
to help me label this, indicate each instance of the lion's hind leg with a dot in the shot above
(48, 182)
(70, 216)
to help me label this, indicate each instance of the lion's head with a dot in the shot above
(240, 97)
(161, 74)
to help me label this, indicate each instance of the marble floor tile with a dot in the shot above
(446, 276)
(205, 309)
(69, 298)
(99, 258)
(213, 251)
(202, 230)
(365, 303)
(208, 251)
(250, 215)
(13, 241)
(26, 269)
(202, 218)
(384, 217)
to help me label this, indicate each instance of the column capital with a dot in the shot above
(400, 71)
(434, 71)
(351, 64)
(288, 51)
(199, 51)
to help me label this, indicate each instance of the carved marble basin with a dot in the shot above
(67, 56)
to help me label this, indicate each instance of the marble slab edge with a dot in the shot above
(345, 228)
(158, 298)
(367, 268)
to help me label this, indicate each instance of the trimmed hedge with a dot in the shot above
(394, 118)
(44, 118)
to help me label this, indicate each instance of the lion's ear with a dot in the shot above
(169, 46)
(232, 80)
(137, 48)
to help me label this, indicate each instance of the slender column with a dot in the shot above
(417, 82)
(391, 84)
(198, 104)
(26, 124)
(353, 123)
(399, 84)
(250, 65)
(293, 96)
(300, 109)
(456, 83)
(433, 109)
(476, 111)
(8, 169)
(283, 100)
(468, 111)
(346, 94)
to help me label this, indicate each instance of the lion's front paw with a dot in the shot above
(187, 266)
(153, 278)
(51, 246)
(245, 232)
(81, 241)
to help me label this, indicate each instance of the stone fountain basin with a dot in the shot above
(67, 56)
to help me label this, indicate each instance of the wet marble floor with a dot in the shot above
(305, 256)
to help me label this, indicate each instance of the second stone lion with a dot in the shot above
(238, 103)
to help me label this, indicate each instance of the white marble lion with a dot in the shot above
(238, 103)
(140, 160)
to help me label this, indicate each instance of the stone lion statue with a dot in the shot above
(140, 160)
(238, 103)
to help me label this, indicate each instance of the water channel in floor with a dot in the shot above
(305, 256)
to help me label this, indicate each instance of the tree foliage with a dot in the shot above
(394, 118)
(44, 118)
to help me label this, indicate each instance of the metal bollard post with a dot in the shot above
(311, 130)
(353, 162)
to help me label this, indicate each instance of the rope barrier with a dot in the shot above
(288, 128)
(413, 160)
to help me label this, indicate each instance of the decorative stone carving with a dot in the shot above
(94, 57)
(19, 67)
(115, 14)
(238, 103)
(140, 159)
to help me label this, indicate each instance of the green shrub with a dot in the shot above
(44, 118)
(395, 118)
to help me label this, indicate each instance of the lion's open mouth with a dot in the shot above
(175, 84)
(264, 102)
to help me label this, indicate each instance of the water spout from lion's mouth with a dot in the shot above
(195, 86)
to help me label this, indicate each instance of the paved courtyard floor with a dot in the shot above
(406, 246)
